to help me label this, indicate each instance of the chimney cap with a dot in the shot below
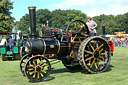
(31, 7)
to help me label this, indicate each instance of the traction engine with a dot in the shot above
(76, 49)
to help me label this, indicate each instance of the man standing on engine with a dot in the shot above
(91, 26)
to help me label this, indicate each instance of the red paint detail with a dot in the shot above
(54, 30)
(111, 46)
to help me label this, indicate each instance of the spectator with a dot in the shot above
(11, 41)
(3, 42)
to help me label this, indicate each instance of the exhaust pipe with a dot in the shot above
(32, 19)
(103, 29)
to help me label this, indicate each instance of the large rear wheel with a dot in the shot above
(94, 54)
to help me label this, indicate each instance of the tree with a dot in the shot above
(124, 23)
(42, 16)
(58, 18)
(108, 21)
(6, 19)
(61, 18)
(23, 24)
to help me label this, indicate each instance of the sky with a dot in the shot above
(90, 7)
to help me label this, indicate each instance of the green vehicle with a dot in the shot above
(5, 51)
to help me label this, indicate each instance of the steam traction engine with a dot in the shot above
(76, 49)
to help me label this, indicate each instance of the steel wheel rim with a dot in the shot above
(94, 61)
(37, 69)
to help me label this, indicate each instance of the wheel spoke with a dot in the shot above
(32, 65)
(75, 26)
(88, 52)
(92, 63)
(101, 50)
(89, 58)
(83, 34)
(88, 47)
(94, 43)
(34, 75)
(35, 60)
(97, 44)
(96, 66)
(31, 72)
(91, 46)
(74, 38)
(41, 62)
(103, 53)
(82, 26)
(102, 58)
(38, 61)
(89, 62)
(80, 29)
(38, 75)
(31, 69)
(44, 71)
(86, 55)
(80, 40)
(43, 65)
(41, 75)
(98, 61)
(100, 46)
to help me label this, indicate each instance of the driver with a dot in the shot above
(91, 26)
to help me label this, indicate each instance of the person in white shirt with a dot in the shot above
(3, 42)
(91, 25)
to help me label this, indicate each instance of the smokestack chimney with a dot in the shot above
(32, 19)
(103, 29)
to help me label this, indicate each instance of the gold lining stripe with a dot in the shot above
(44, 47)
(65, 46)
(58, 47)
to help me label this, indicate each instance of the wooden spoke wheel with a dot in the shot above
(37, 68)
(22, 63)
(76, 31)
(94, 53)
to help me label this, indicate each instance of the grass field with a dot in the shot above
(116, 74)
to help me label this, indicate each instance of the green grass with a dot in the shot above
(116, 74)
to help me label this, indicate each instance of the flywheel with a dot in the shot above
(76, 31)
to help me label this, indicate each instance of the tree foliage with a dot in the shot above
(61, 18)
(6, 19)
(56, 19)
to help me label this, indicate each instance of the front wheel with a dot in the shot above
(37, 68)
